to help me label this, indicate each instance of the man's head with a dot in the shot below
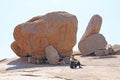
(72, 56)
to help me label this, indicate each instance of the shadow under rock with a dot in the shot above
(22, 64)
(104, 57)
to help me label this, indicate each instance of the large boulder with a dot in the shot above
(52, 55)
(93, 27)
(92, 43)
(57, 29)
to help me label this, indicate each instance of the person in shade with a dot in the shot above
(74, 62)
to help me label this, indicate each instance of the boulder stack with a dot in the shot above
(92, 41)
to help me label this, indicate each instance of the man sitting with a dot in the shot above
(74, 62)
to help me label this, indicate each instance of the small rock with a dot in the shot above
(62, 63)
(101, 52)
(67, 60)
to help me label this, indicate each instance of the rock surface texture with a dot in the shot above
(93, 27)
(116, 49)
(92, 43)
(57, 29)
(52, 55)
(101, 52)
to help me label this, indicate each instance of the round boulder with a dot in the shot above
(52, 55)
(92, 43)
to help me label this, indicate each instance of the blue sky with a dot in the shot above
(14, 12)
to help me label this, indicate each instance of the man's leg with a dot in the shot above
(75, 64)
(78, 63)
(71, 64)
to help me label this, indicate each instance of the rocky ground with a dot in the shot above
(94, 68)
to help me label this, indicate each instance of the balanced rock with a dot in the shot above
(92, 43)
(93, 27)
(52, 55)
(57, 29)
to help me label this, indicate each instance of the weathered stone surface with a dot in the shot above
(57, 29)
(35, 61)
(116, 49)
(67, 53)
(67, 60)
(117, 52)
(52, 55)
(101, 52)
(110, 49)
(62, 63)
(93, 27)
(18, 50)
(92, 43)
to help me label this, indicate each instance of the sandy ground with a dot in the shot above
(94, 68)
